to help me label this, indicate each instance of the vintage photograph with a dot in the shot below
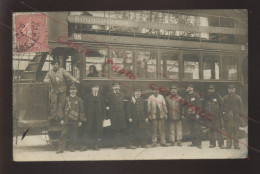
(130, 85)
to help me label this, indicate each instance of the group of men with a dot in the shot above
(159, 110)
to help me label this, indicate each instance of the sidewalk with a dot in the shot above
(35, 148)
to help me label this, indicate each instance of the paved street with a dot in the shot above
(35, 148)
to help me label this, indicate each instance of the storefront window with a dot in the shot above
(96, 57)
(191, 66)
(146, 64)
(211, 67)
(229, 68)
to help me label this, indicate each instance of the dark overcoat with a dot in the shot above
(116, 112)
(138, 112)
(95, 112)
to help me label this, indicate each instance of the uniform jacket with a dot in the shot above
(174, 105)
(72, 104)
(232, 108)
(191, 104)
(95, 111)
(116, 111)
(160, 102)
(211, 105)
(58, 80)
(138, 112)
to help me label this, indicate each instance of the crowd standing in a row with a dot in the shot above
(157, 111)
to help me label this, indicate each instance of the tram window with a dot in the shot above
(146, 64)
(229, 68)
(171, 66)
(122, 63)
(211, 67)
(97, 57)
(191, 66)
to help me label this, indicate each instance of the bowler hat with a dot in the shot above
(231, 86)
(115, 83)
(137, 89)
(190, 85)
(173, 87)
(211, 86)
(94, 84)
(73, 86)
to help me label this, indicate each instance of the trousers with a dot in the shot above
(55, 103)
(69, 131)
(158, 123)
(194, 126)
(175, 131)
(215, 129)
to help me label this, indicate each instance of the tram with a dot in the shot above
(136, 48)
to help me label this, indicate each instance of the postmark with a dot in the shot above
(30, 33)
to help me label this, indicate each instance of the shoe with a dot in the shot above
(130, 147)
(228, 147)
(191, 145)
(145, 146)
(154, 145)
(212, 146)
(199, 147)
(165, 145)
(172, 144)
(82, 149)
(72, 150)
(115, 147)
(60, 151)
(179, 144)
(222, 147)
(237, 147)
(96, 148)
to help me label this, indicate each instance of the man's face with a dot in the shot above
(138, 94)
(190, 89)
(156, 92)
(231, 90)
(211, 90)
(173, 91)
(73, 92)
(95, 89)
(91, 70)
(55, 66)
(116, 88)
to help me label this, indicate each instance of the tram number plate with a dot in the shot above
(77, 36)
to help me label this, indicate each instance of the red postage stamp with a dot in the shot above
(31, 32)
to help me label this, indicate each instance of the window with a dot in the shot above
(191, 66)
(146, 64)
(170, 66)
(122, 65)
(97, 57)
(211, 67)
(230, 68)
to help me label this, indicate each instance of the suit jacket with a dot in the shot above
(160, 102)
(95, 112)
(58, 80)
(75, 105)
(138, 110)
(191, 104)
(174, 105)
(212, 104)
(116, 111)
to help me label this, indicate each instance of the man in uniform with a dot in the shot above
(58, 77)
(95, 115)
(174, 105)
(211, 105)
(118, 117)
(72, 116)
(232, 108)
(139, 118)
(191, 104)
(157, 111)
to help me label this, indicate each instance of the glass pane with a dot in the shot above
(96, 57)
(122, 63)
(146, 64)
(191, 66)
(229, 68)
(171, 66)
(211, 67)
